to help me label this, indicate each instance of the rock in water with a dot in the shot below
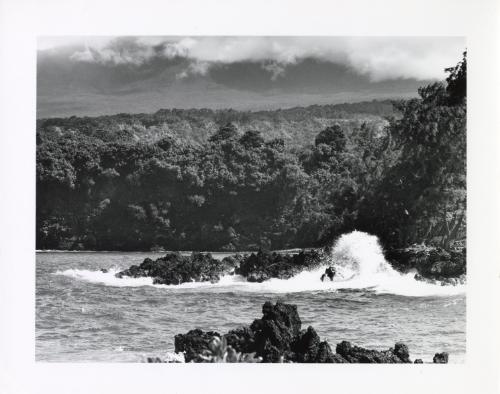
(440, 358)
(175, 269)
(356, 354)
(401, 351)
(430, 262)
(265, 265)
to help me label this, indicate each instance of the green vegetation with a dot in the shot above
(229, 180)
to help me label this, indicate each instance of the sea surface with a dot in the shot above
(85, 315)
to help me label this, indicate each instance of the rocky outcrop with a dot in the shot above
(262, 266)
(194, 343)
(355, 354)
(175, 268)
(440, 358)
(278, 337)
(431, 263)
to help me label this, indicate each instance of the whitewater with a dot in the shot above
(84, 314)
(357, 257)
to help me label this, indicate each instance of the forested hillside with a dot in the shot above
(231, 180)
(296, 126)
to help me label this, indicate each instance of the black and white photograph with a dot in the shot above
(251, 199)
(273, 196)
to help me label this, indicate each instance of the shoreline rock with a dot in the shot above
(279, 337)
(174, 268)
(262, 266)
(432, 264)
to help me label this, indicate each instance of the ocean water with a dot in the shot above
(84, 315)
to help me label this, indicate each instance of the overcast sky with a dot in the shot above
(246, 72)
(379, 57)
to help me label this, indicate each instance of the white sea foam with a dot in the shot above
(357, 257)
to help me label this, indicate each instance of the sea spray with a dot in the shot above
(357, 257)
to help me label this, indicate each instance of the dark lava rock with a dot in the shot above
(174, 268)
(241, 339)
(277, 337)
(307, 346)
(276, 331)
(258, 277)
(440, 358)
(262, 266)
(430, 262)
(401, 350)
(356, 354)
(232, 262)
(309, 349)
(194, 343)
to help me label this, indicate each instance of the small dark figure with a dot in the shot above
(329, 272)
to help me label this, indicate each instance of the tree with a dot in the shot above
(457, 82)
(225, 133)
(332, 136)
(421, 198)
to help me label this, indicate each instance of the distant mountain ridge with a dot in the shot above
(66, 87)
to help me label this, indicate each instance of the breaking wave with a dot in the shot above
(357, 257)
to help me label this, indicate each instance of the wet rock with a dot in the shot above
(241, 339)
(258, 277)
(401, 351)
(440, 358)
(175, 269)
(356, 354)
(307, 346)
(277, 337)
(263, 265)
(231, 263)
(430, 262)
(194, 344)
(276, 331)
(325, 355)
(309, 349)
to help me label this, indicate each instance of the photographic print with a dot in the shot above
(263, 199)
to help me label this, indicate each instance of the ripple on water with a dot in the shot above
(130, 323)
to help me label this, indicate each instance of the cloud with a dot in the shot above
(380, 58)
(118, 51)
(276, 69)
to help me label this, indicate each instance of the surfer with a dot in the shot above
(329, 272)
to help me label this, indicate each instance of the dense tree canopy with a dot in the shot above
(101, 185)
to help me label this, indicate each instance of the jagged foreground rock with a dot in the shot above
(278, 337)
